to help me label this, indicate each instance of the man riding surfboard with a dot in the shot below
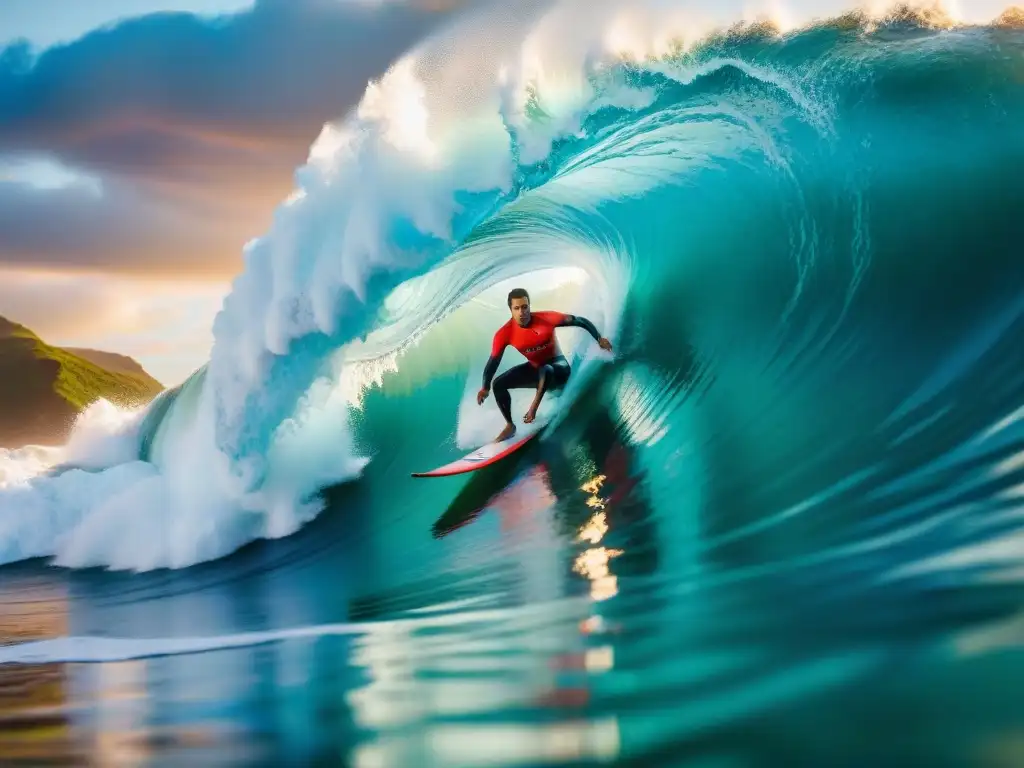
(533, 335)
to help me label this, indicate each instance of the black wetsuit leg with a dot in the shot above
(522, 376)
(556, 373)
(525, 376)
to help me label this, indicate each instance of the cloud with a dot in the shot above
(58, 306)
(55, 305)
(163, 324)
(192, 126)
(267, 74)
(75, 228)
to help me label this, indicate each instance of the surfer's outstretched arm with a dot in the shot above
(578, 321)
(498, 344)
(490, 369)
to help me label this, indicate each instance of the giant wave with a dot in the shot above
(798, 231)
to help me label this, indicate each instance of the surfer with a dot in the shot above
(533, 335)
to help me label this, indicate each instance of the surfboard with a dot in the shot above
(485, 455)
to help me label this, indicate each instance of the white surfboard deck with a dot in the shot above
(488, 454)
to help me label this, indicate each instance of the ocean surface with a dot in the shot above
(780, 525)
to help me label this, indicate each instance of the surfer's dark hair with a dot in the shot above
(517, 293)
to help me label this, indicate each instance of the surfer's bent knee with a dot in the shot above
(557, 373)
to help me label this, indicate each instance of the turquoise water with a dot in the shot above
(780, 526)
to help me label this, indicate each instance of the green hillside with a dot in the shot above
(111, 361)
(43, 387)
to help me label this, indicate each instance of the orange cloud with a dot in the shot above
(164, 324)
(193, 129)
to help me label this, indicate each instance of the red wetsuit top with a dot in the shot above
(536, 342)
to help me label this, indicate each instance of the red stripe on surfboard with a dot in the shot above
(454, 469)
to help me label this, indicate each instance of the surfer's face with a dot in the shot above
(521, 311)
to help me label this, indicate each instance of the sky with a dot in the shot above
(143, 143)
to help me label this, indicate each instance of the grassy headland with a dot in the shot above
(43, 387)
